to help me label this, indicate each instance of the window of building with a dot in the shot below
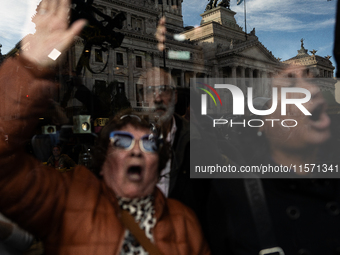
(99, 87)
(121, 88)
(179, 81)
(139, 94)
(139, 62)
(119, 58)
(136, 23)
(320, 73)
(98, 55)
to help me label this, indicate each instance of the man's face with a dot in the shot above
(161, 95)
(131, 173)
(56, 152)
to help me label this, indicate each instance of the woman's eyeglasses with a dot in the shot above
(125, 140)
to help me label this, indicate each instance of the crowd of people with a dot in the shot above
(139, 198)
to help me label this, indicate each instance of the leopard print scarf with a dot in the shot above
(142, 209)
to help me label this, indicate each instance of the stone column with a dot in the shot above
(156, 63)
(233, 71)
(256, 82)
(131, 85)
(170, 77)
(215, 71)
(220, 73)
(251, 83)
(110, 65)
(243, 72)
(233, 74)
(242, 79)
(251, 73)
(128, 21)
(143, 28)
(194, 80)
(265, 89)
(182, 78)
(205, 78)
(148, 60)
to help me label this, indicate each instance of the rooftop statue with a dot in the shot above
(225, 4)
(313, 52)
(209, 5)
(213, 4)
(302, 43)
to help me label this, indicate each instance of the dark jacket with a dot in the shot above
(305, 217)
(192, 192)
(180, 160)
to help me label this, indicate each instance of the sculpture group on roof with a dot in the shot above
(213, 4)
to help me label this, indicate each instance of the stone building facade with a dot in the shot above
(315, 66)
(128, 63)
(217, 48)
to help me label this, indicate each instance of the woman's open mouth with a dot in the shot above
(316, 113)
(134, 173)
(319, 118)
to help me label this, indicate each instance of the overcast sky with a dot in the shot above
(15, 17)
(280, 25)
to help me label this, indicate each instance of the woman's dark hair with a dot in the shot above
(121, 120)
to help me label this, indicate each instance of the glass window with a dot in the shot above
(139, 94)
(119, 58)
(98, 55)
(139, 61)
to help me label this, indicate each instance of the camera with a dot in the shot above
(97, 32)
(82, 124)
(48, 130)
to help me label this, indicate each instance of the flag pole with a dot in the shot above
(245, 19)
(245, 16)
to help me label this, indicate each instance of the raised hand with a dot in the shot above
(160, 34)
(53, 34)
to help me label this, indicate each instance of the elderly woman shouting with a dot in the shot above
(121, 213)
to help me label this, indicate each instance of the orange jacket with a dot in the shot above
(74, 213)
